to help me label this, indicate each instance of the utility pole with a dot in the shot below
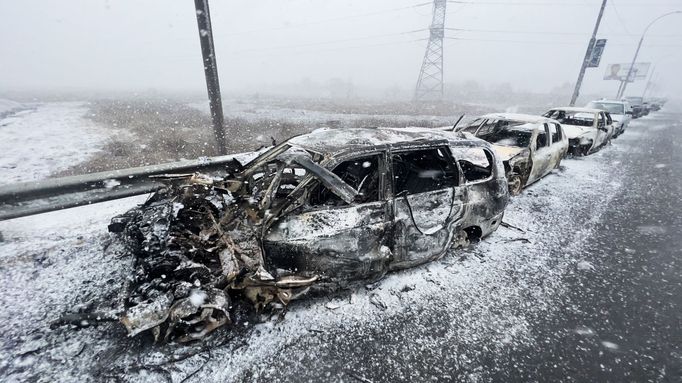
(648, 82)
(624, 84)
(211, 72)
(430, 82)
(588, 54)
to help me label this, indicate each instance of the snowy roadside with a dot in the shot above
(485, 297)
(46, 138)
(478, 300)
(8, 106)
(256, 113)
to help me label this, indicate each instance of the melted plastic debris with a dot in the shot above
(197, 251)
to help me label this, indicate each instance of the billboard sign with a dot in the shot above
(595, 53)
(620, 71)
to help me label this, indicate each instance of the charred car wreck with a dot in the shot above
(588, 130)
(530, 146)
(316, 212)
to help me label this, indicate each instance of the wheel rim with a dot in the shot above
(515, 185)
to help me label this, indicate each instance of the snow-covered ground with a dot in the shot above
(37, 140)
(488, 295)
(6, 106)
(254, 112)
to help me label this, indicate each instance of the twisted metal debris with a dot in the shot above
(197, 251)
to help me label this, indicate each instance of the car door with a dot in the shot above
(428, 203)
(558, 145)
(602, 130)
(334, 238)
(541, 153)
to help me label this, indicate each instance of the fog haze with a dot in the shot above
(378, 45)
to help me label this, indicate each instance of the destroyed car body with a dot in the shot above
(637, 106)
(529, 146)
(416, 191)
(319, 210)
(620, 113)
(587, 129)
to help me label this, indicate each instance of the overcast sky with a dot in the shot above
(534, 45)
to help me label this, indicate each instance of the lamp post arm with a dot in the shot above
(634, 58)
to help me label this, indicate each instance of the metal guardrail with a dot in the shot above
(28, 198)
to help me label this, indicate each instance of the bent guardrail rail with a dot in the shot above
(29, 198)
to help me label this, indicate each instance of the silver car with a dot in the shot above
(529, 146)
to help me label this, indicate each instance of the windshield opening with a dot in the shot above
(274, 175)
(571, 117)
(609, 107)
(515, 134)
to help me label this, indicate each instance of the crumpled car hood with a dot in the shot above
(574, 131)
(508, 152)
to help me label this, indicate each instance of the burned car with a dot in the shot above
(619, 112)
(587, 129)
(317, 211)
(529, 146)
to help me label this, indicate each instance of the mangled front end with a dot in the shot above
(516, 161)
(580, 139)
(198, 256)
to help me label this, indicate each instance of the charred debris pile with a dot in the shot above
(198, 259)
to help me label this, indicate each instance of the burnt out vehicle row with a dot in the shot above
(327, 209)
(318, 211)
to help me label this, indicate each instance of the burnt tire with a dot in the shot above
(515, 184)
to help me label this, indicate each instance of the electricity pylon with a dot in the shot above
(430, 83)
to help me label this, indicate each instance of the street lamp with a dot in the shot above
(632, 65)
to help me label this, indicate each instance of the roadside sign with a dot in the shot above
(620, 71)
(596, 53)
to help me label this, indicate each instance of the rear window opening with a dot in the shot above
(422, 171)
(476, 163)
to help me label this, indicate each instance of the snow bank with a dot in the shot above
(7, 106)
(48, 138)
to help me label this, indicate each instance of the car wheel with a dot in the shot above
(515, 184)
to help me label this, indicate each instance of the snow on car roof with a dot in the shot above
(519, 117)
(328, 140)
(576, 109)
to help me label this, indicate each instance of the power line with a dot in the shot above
(612, 3)
(513, 31)
(541, 42)
(543, 32)
(324, 21)
(329, 42)
(515, 41)
(572, 4)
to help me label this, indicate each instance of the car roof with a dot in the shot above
(576, 109)
(330, 141)
(519, 117)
